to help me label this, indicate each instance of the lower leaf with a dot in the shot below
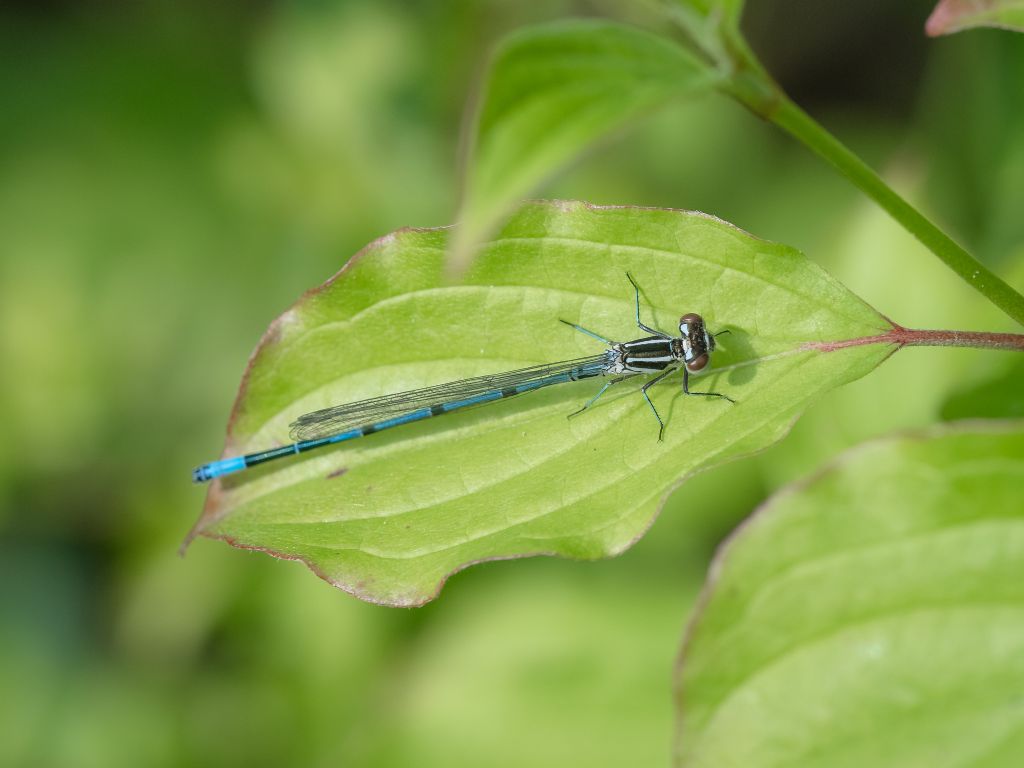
(871, 616)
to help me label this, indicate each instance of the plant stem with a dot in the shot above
(745, 78)
(803, 127)
(912, 337)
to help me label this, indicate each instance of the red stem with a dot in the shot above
(910, 337)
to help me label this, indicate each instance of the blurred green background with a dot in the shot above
(173, 175)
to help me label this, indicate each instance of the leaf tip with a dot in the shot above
(952, 16)
(942, 20)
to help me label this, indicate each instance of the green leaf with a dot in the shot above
(725, 13)
(952, 16)
(390, 516)
(871, 616)
(552, 92)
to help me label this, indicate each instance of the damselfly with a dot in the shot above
(658, 353)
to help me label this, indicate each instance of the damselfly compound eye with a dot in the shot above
(691, 324)
(697, 364)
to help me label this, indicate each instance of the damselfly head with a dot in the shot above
(691, 328)
(701, 343)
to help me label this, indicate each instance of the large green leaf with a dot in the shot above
(517, 478)
(553, 90)
(872, 616)
(952, 16)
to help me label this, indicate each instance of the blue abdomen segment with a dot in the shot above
(217, 468)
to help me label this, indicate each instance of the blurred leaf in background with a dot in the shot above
(870, 615)
(956, 15)
(174, 175)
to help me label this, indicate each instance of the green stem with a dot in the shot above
(800, 125)
(750, 83)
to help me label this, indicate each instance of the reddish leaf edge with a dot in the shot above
(946, 19)
(420, 600)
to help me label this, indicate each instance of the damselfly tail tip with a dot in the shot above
(214, 469)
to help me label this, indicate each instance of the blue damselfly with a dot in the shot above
(659, 353)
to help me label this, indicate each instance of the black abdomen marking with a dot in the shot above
(650, 354)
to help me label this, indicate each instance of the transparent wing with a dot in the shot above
(340, 418)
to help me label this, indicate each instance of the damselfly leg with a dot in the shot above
(600, 392)
(643, 391)
(640, 325)
(589, 333)
(686, 389)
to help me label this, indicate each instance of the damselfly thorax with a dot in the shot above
(692, 348)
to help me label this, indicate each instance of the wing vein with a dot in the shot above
(339, 418)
